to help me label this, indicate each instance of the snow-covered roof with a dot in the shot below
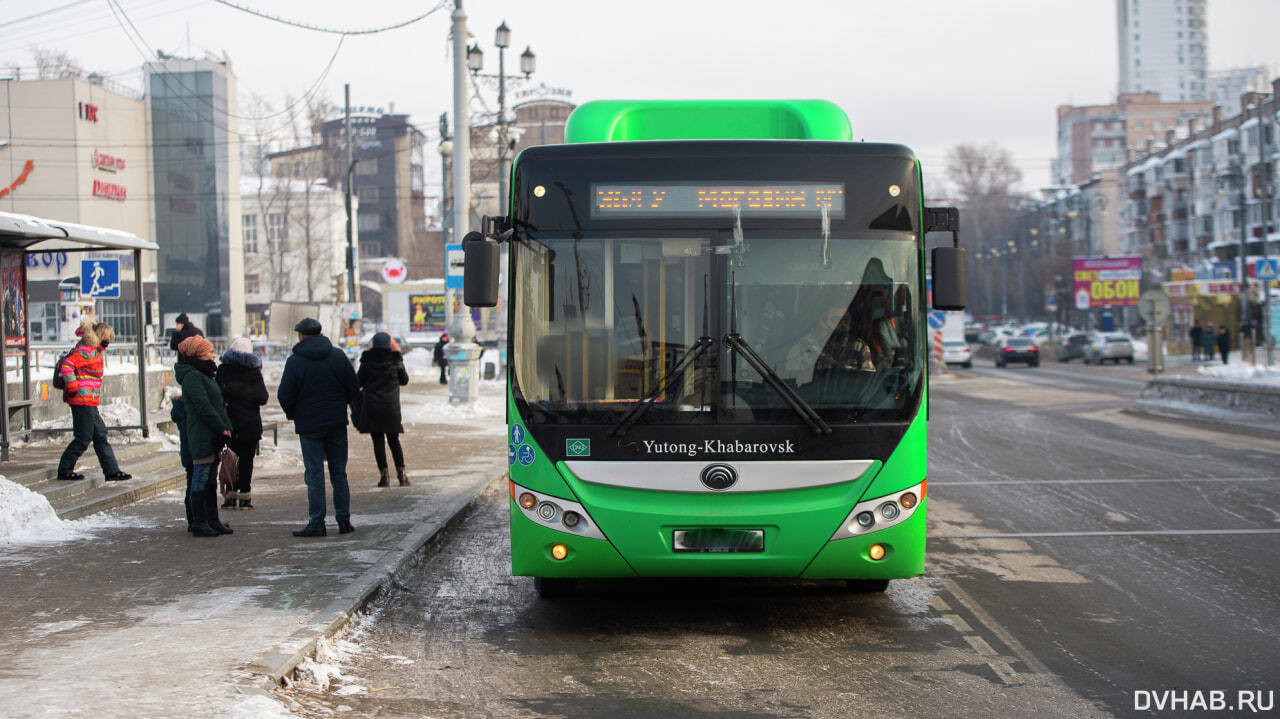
(24, 231)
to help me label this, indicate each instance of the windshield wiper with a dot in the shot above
(735, 342)
(676, 372)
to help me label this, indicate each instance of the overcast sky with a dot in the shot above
(927, 73)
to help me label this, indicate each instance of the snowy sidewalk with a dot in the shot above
(126, 614)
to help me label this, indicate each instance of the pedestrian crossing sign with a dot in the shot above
(1268, 269)
(100, 278)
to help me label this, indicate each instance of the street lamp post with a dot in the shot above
(475, 61)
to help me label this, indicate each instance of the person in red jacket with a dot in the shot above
(82, 373)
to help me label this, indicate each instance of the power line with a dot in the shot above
(332, 31)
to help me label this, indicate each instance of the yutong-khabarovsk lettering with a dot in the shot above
(718, 446)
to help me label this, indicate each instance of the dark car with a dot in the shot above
(1018, 349)
(1072, 346)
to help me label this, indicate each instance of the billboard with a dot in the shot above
(1106, 281)
(426, 312)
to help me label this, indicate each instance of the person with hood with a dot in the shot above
(381, 376)
(243, 392)
(208, 430)
(317, 387)
(81, 372)
(438, 358)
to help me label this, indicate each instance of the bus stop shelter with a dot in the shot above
(21, 235)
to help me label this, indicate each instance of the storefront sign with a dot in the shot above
(88, 112)
(109, 190)
(108, 163)
(426, 313)
(1106, 281)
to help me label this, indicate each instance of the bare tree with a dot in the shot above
(55, 64)
(984, 178)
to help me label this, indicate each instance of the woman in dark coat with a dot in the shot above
(208, 427)
(243, 393)
(381, 375)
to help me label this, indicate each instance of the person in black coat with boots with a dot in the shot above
(243, 393)
(439, 359)
(381, 375)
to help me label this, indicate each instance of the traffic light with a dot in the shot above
(339, 288)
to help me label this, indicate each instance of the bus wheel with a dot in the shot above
(867, 585)
(549, 588)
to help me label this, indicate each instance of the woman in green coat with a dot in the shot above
(208, 430)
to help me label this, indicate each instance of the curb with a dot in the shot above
(270, 670)
(124, 497)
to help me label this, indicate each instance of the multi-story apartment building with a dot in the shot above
(1163, 48)
(1093, 138)
(1198, 205)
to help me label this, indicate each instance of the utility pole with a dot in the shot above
(461, 143)
(351, 250)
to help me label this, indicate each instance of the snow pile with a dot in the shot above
(488, 411)
(27, 516)
(419, 363)
(28, 519)
(1242, 373)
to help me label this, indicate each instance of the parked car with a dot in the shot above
(1103, 346)
(1072, 346)
(957, 352)
(1017, 349)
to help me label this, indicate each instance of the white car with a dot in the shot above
(957, 352)
(1103, 346)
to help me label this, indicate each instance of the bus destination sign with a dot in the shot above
(696, 200)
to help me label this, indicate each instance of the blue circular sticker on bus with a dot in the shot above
(517, 434)
(526, 455)
(511, 454)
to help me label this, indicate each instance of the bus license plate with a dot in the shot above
(718, 540)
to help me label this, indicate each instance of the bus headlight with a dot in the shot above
(571, 519)
(889, 511)
(865, 519)
(547, 511)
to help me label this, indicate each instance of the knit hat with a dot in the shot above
(381, 340)
(243, 344)
(307, 326)
(183, 319)
(196, 347)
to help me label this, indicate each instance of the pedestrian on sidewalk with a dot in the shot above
(1208, 341)
(1196, 332)
(81, 373)
(243, 392)
(381, 376)
(178, 410)
(1224, 343)
(208, 431)
(438, 358)
(315, 391)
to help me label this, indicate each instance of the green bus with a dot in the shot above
(716, 345)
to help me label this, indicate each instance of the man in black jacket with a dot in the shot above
(182, 330)
(317, 387)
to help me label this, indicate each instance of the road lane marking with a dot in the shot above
(1113, 533)
(986, 620)
(1128, 480)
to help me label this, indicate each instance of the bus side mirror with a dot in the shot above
(948, 278)
(480, 271)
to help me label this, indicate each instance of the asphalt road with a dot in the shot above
(1083, 562)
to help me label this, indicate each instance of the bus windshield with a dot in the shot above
(609, 320)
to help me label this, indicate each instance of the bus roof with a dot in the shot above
(623, 120)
